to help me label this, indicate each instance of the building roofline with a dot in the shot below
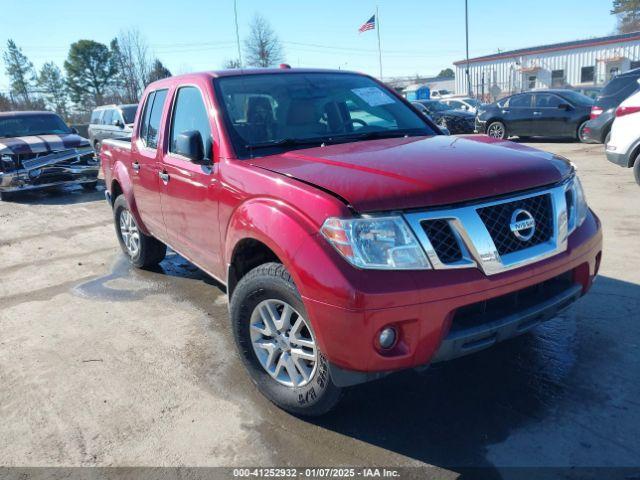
(591, 42)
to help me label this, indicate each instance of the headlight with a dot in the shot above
(384, 243)
(576, 204)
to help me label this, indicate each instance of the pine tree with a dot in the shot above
(20, 71)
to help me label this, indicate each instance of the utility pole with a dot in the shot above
(235, 13)
(466, 26)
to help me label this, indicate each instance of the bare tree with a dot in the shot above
(263, 47)
(20, 71)
(134, 63)
(232, 63)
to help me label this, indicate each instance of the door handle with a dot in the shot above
(135, 166)
(164, 176)
(537, 113)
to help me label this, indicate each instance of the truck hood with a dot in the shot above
(40, 143)
(415, 172)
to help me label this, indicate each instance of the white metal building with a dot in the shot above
(581, 63)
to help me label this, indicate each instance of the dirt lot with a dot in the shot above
(104, 365)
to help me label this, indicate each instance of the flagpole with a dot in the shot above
(235, 14)
(379, 49)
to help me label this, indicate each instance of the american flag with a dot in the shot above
(368, 25)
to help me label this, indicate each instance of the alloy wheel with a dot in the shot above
(496, 130)
(130, 233)
(283, 343)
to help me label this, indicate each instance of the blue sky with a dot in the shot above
(417, 36)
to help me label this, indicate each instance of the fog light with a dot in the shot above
(387, 337)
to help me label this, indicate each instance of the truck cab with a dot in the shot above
(354, 238)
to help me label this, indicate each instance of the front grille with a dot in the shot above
(443, 240)
(496, 308)
(497, 219)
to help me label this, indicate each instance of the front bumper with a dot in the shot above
(349, 307)
(596, 130)
(621, 159)
(74, 166)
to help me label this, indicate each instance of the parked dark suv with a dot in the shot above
(604, 110)
(547, 113)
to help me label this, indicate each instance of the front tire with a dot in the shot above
(277, 344)
(497, 130)
(142, 250)
(636, 168)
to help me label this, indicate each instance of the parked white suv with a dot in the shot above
(623, 147)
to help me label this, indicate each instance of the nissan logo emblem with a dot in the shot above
(522, 225)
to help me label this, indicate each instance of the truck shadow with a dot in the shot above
(462, 415)
(59, 196)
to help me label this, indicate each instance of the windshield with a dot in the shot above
(25, 125)
(437, 106)
(294, 110)
(473, 102)
(129, 113)
(578, 98)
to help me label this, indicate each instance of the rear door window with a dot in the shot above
(150, 126)
(520, 101)
(546, 100)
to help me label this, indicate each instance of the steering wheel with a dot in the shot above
(357, 120)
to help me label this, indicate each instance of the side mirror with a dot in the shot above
(564, 106)
(74, 130)
(118, 124)
(190, 145)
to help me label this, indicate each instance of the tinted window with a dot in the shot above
(154, 118)
(107, 118)
(546, 100)
(520, 101)
(634, 65)
(310, 107)
(577, 98)
(190, 114)
(144, 124)
(34, 124)
(129, 113)
(617, 90)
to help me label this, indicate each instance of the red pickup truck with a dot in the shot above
(353, 237)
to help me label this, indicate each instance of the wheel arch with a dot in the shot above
(122, 180)
(264, 230)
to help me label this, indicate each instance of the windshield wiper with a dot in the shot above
(286, 142)
(378, 134)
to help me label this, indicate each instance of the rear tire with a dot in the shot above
(142, 250)
(497, 130)
(636, 168)
(302, 390)
(580, 132)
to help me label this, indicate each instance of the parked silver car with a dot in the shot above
(111, 121)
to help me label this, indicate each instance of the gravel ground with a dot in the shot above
(101, 365)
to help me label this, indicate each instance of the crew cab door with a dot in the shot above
(518, 114)
(189, 190)
(145, 164)
(548, 118)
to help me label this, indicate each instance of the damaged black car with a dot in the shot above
(39, 150)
